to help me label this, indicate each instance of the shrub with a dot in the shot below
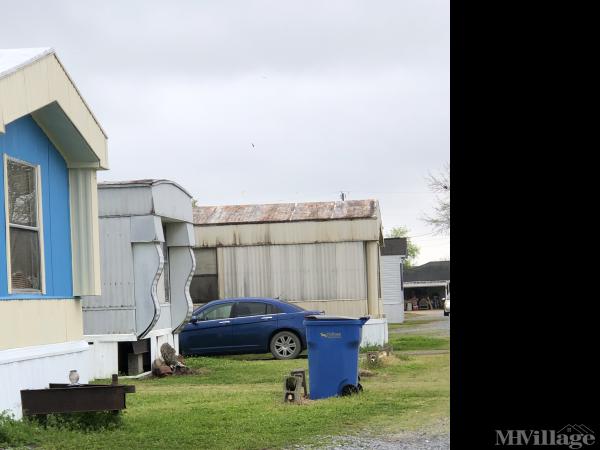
(15, 433)
(83, 421)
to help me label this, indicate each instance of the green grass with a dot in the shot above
(236, 402)
(401, 342)
(411, 323)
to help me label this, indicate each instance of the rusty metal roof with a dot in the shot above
(286, 212)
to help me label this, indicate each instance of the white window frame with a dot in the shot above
(39, 228)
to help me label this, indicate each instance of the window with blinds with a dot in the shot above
(23, 226)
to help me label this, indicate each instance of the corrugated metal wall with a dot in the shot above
(288, 233)
(113, 311)
(326, 271)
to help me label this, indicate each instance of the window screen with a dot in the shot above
(24, 232)
(24, 259)
(205, 283)
(204, 288)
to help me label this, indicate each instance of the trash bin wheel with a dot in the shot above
(349, 389)
(360, 388)
(285, 345)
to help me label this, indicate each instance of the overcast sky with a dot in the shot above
(334, 95)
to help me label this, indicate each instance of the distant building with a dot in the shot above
(321, 255)
(51, 146)
(430, 280)
(393, 254)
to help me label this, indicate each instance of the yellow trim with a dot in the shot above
(24, 323)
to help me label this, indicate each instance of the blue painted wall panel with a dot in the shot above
(23, 139)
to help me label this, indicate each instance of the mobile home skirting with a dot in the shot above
(36, 366)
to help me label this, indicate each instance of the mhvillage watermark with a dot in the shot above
(572, 436)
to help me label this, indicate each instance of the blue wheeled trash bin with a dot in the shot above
(333, 344)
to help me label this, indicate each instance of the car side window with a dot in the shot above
(245, 309)
(216, 312)
(272, 309)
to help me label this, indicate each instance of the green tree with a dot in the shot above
(412, 249)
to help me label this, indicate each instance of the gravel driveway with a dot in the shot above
(434, 438)
(405, 441)
(426, 323)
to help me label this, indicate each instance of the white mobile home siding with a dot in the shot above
(391, 287)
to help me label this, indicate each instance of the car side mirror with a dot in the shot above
(194, 319)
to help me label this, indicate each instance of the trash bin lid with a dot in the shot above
(325, 317)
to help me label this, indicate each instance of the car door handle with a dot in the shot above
(225, 321)
(268, 317)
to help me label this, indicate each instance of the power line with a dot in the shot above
(433, 244)
(420, 235)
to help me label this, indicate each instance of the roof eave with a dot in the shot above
(41, 86)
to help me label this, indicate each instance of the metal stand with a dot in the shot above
(65, 398)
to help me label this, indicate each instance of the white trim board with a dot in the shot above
(42, 351)
(110, 337)
(159, 332)
(412, 284)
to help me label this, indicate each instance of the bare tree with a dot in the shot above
(440, 184)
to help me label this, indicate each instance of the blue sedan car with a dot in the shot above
(246, 325)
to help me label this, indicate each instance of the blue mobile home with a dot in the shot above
(35, 171)
(51, 147)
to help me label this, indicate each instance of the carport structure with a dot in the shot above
(430, 280)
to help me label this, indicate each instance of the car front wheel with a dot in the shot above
(285, 345)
